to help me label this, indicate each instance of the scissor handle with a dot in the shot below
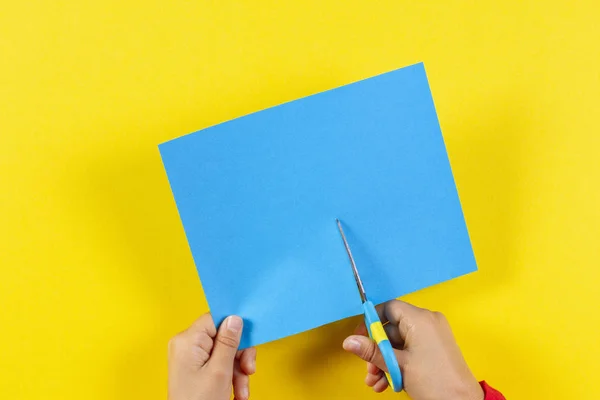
(377, 333)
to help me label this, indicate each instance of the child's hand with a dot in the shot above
(432, 365)
(204, 364)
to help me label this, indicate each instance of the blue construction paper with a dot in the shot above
(259, 195)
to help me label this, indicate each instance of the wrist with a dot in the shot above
(470, 391)
(476, 393)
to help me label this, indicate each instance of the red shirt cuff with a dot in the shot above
(490, 392)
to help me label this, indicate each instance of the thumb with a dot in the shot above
(366, 349)
(227, 343)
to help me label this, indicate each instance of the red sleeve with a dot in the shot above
(490, 392)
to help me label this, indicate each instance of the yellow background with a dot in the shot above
(96, 274)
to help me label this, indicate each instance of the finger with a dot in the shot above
(400, 314)
(365, 348)
(201, 334)
(202, 346)
(372, 379)
(373, 369)
(380, 308)
(227, 342)
(361, 329)
(204, 324)
(241, 383)
(391, 330)
(195, 343)
(381, 385)
(393, 333)
(247, 359)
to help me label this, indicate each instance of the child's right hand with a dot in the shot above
(432, 365)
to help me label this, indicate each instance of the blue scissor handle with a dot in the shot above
(377, 333)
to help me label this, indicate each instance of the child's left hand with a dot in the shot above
(205, 365)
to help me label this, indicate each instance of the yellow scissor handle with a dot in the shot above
(377, 333)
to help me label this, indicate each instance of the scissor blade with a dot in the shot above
(359, 284)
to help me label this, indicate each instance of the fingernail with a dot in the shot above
(244, 393)
(233, 324)
(351, 344)
(253, 365)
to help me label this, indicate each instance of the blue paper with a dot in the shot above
(259, 195)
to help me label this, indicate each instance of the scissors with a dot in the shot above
(374, 325)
